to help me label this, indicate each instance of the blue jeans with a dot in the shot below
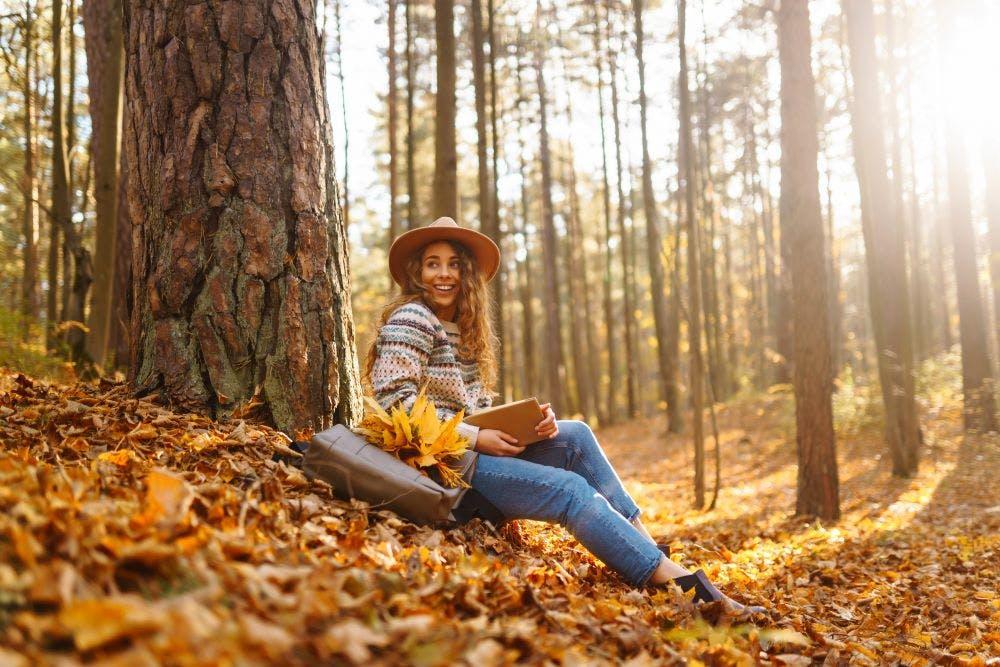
(568, 480)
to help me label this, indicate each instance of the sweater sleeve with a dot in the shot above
(403, 348)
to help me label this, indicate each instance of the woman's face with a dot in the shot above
(440, 272)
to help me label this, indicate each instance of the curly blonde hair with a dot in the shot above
(474, 313)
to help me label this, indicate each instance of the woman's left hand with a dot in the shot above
(547, 428)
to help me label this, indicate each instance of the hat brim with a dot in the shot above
(482, 247)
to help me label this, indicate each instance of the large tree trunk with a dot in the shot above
(103, 40)
(801, 221)
(977, 376)
(29, 276)
(654, 242)
(554, 371)
(241, 281)
(445, 156)
(686, 168)
(884, 250)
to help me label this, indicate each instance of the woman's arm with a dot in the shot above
(403, 348)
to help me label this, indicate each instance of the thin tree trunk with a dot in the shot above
(411, 174)
(631, 353)
(942, 308)
(445, 157)
(29, 276)
(241, 282)
(801, 220)
(489, 224)
(121, 304)
(654, 242)
(991, 165)
(103, 32)
(530, 362)
(977, 376)
(62, 206)
(500, 303)
(611, 413)
(884, 249)
(553, 320)
(393, 121)
(686, 168)
(341, 78)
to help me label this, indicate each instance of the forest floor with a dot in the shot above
(131, 535)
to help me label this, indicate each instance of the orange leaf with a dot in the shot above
(97, 622)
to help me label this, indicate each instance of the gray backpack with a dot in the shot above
(359, 470)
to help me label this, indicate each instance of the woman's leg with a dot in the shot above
(576, 449)
(525, 490)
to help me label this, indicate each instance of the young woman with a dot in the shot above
(437, 334)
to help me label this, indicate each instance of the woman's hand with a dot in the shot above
(497, 443)
(547, 428)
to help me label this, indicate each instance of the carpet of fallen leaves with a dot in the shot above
(131, 535)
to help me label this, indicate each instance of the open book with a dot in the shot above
(517, 419)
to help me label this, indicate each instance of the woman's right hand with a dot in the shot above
(497, 443)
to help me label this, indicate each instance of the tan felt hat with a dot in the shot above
(486, 252)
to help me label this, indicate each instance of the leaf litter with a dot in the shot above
(134, 535)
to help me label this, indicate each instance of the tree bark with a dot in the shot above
(686, 168)
(801, 221)
(884, 249)
(241, 282)
(445, 156)
(103, 40)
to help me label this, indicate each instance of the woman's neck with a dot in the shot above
(446, 314)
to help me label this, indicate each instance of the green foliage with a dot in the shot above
(857, 402)
(939, 382)
(26, 353)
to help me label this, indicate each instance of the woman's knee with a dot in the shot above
(580, 437)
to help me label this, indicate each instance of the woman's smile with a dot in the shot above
(441, 272)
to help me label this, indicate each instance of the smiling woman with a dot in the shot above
(436, 340)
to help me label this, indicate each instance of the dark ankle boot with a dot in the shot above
(705, 591)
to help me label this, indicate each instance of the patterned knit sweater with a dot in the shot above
(415, 349)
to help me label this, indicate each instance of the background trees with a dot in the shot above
(647, 240)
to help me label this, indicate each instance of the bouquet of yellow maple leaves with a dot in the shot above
(418, 437)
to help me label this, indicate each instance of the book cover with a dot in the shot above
(518, 419)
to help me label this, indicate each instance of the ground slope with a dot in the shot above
(132, 535)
